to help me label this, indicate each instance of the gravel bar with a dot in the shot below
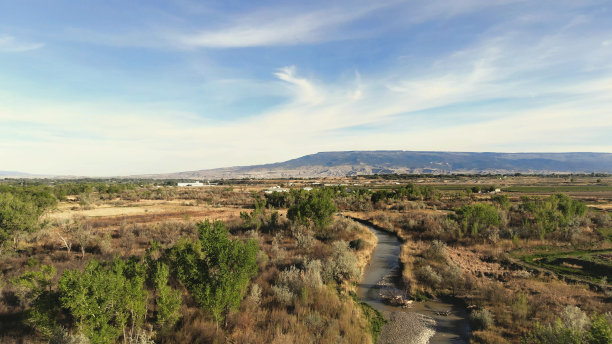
(406, 328)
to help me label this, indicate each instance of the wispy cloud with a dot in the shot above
(524, 82)
(274, 28)
(305, 91)
(12, 45)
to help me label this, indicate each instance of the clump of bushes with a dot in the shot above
(574, 326)
(481, 319)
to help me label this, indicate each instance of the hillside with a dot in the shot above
(330, 164)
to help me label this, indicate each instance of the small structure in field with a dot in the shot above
(275, 189)
(192, 184)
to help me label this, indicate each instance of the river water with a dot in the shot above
(384, 266)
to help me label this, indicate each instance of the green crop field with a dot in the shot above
(591, 265)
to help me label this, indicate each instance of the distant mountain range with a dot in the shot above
(13, 174)
(350, 163)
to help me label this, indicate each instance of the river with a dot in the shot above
(384, 267)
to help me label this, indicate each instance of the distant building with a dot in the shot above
(193, 184)
(197, 184)
(307, 188)
(275, 189)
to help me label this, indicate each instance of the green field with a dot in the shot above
(590, 265)
(559, 188)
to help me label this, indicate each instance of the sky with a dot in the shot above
(115, 87)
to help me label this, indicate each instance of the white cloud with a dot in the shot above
(570, 110)
(305, 91)
(272, 28)
(12, 45)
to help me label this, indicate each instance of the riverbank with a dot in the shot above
(422, 322)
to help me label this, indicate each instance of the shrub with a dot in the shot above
(427, 276)
(62, 336)
(283, 295)
(520, 308)
(255, 294)
(342, 265)
(436, 251)
(502, 200)
(481, 319)
(574, 318)
(357, 244)
(292, 278)
(303, 236)
(554, 212)
(557, 333)
(312, 275)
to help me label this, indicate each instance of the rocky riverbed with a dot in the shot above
(411, 323)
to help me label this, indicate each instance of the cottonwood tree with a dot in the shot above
(106, 300)
(20, 211)
(215, 268)
(317, 207)
(168, 300)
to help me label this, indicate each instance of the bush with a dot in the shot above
(342, 265)
(255, 294)
(283, 295)
(436, 251)
(481, 319)
(427, 276)
(357, 244)
(303, 236)
(215, 269)
(520, 308)
(573, 328)
(575, 319)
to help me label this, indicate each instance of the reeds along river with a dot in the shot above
(381, 276)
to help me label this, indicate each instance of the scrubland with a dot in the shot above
(231, 263)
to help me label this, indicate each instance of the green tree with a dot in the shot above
(315, 206)
(20, 210)
(106, 300)
(34, 289)
(475, 217)
(168, 300)
(502, 200)
(553, 213)
(215, 269)
(601, 330)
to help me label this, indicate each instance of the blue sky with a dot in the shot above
(129, 87)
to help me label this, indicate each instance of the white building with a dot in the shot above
(194, 184)
(275, 189)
